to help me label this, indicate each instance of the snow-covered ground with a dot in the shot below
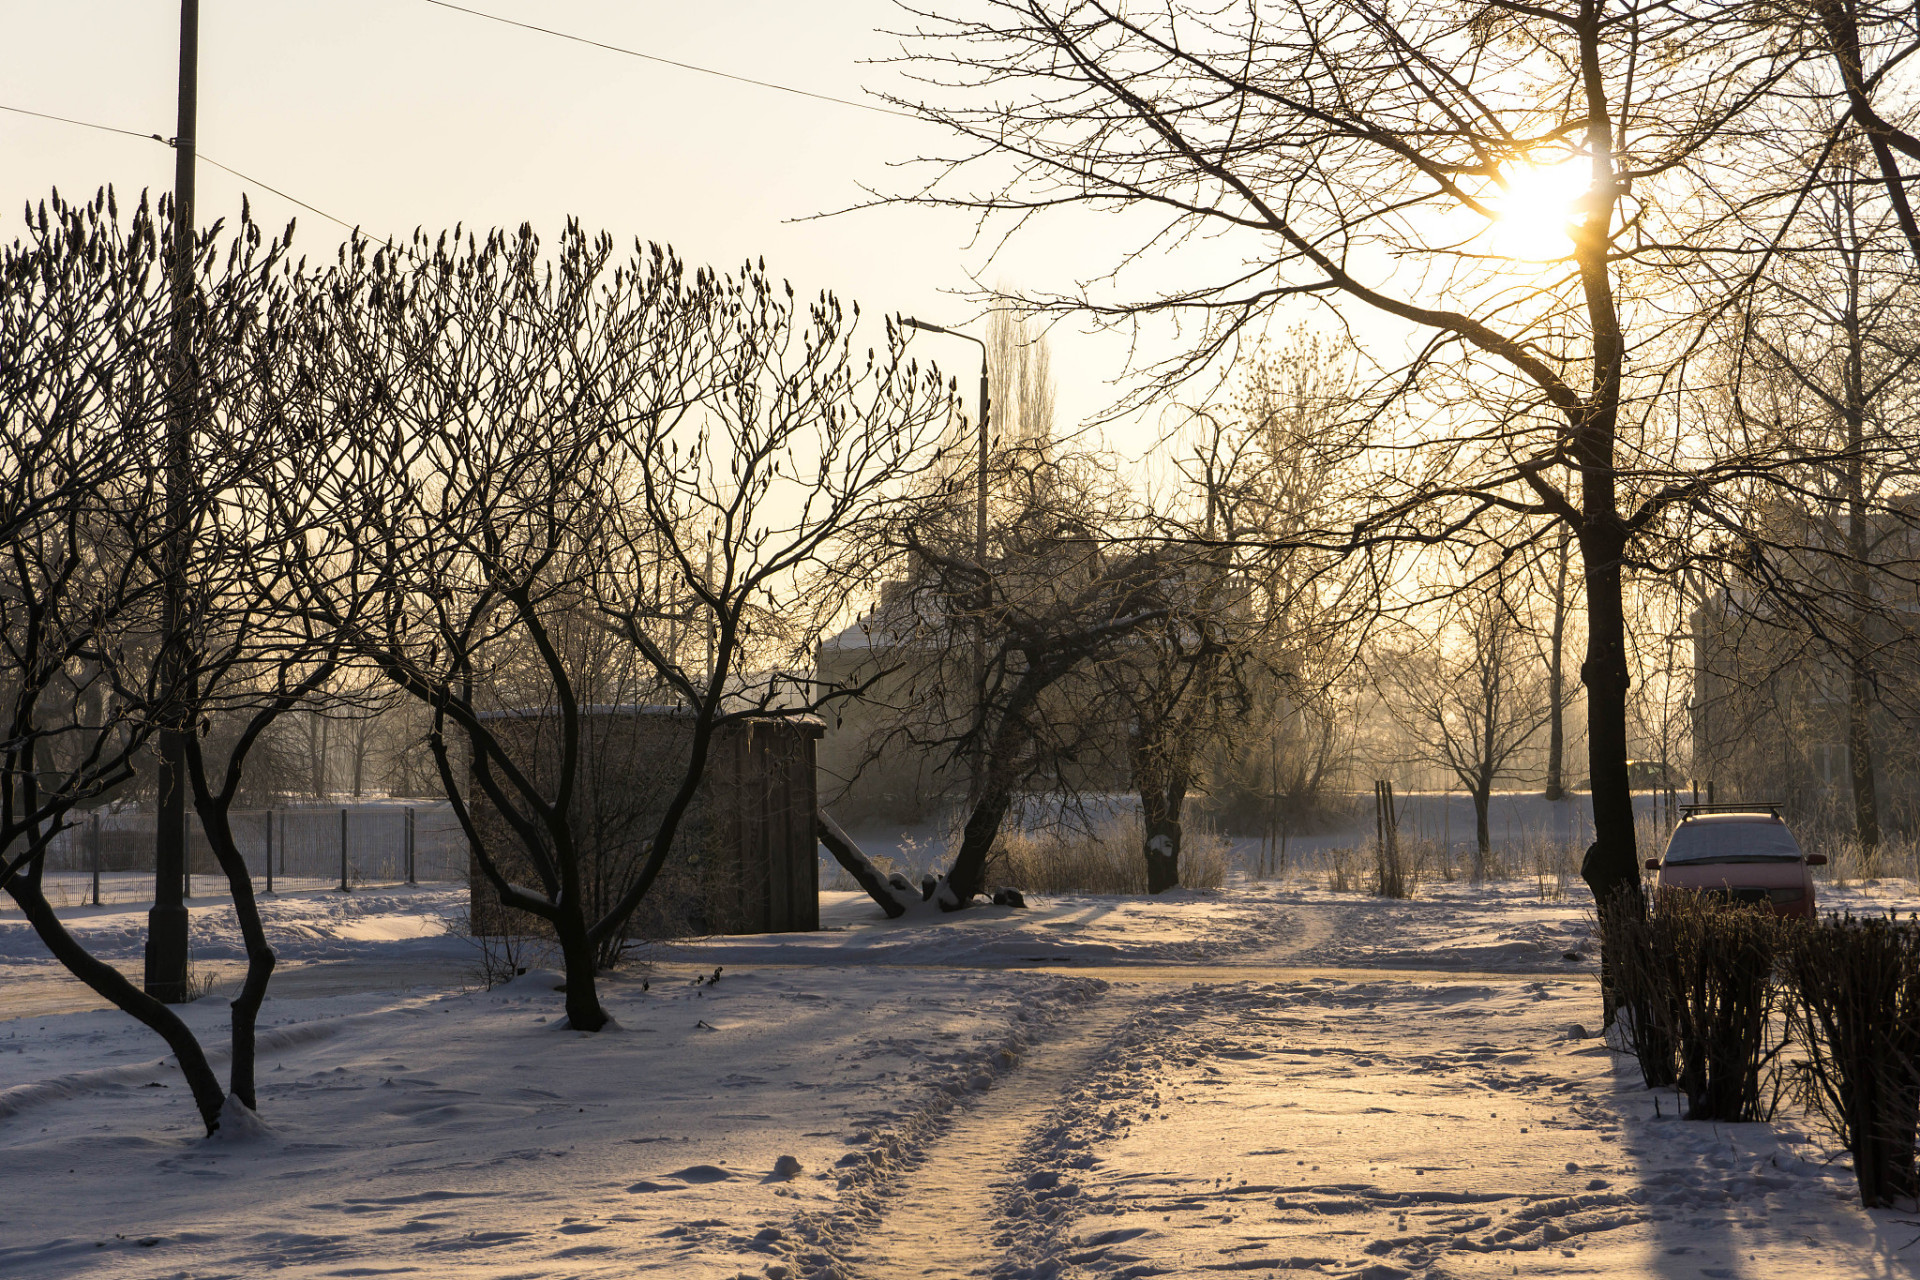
(1270, 1079)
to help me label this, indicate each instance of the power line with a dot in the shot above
(277, 191)
(684, 66)
(85, 124)
(154, 137)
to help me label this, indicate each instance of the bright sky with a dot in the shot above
(402, 113)
(398, 114)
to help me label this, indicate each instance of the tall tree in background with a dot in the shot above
(1019, 379)
(1466, 688)
(1823, 367)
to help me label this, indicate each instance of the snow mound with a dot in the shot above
(239, 1123)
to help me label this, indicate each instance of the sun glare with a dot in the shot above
(1535, 208)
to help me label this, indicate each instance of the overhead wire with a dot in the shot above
(85, 124)
(490, 17)
(670, 62)
(198, 155)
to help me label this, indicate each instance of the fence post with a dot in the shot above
(343, 852)
(269, 851)
(410, 867)
(93, 847)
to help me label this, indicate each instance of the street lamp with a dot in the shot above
(979, 548)
(980, 508)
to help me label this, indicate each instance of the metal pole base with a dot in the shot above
(166, 977)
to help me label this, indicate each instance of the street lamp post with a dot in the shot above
(979, 552)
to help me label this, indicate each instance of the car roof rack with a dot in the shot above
(1732, 806)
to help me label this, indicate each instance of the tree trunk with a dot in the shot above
(857, 865)
(1611, 864)
(245, 1009)
(1866, 800)
(1482, 828)
(1163, 834)
(1556, 684)
(1161, 800)
(967, 876)
(108, 982)
(1611, 867)
(584, 1012)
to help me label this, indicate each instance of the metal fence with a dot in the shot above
(101, 858)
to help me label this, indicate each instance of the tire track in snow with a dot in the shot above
(935, 1220)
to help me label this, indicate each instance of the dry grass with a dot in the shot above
(1553, 864)
(1898, 855)
(1106, 858)
(1343, 870)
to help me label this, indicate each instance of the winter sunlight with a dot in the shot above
(1535, 206)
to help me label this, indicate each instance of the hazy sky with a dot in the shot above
(396, 114)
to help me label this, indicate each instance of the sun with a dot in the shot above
(1533, 212)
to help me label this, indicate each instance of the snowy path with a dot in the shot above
(1382, 1129)
(935, 1224)
(1270, 1079)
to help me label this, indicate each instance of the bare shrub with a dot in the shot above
(1103, 857)
(502, 956)
(1552, 864)
(1854, 990)
(1640, 988)
(1343, 870)
(1721, 957)
(1694, 981)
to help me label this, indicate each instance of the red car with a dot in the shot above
(1741, 856)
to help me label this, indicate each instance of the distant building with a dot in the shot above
(1774, 698)
(746, 857)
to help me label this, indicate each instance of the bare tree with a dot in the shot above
(92, 660)
(1378, 160)
(1466, 689)
(537, 455)
(1019, 379)
(1824, 365)
(1058, 595)
(1251, 605)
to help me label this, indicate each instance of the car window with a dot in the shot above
(1759, 841)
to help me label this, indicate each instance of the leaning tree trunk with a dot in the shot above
(110, 984)
(891, 899)
(967, 876)
(968, 873)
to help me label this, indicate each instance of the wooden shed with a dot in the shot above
(746, 857)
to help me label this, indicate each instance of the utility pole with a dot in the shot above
(166, 967)
(978, 781)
